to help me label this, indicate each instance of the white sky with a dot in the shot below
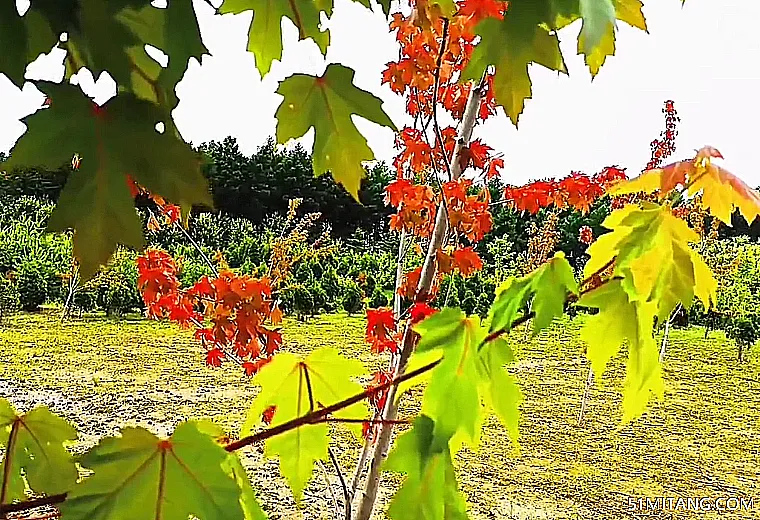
(705, 56)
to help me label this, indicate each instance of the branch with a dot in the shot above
(423, 288)
(317, 415)
(310, 418)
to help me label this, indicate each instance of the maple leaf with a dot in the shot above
(467, 261)
(494, 165)
(430, 487)
(469, 371)
(511, 45)
(158, 27)
(29, 36)
(620, 319)
(296, 386)
(138, 475)
(214, 357)
(651, 249)
(549, 286)
(327, 104)
(265, 32)
(34, 451)
(381, 327)
(113, 140)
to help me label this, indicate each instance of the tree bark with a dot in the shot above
(364, 511)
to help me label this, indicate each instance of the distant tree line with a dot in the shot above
(258, 185)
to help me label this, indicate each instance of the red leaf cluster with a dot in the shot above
(381, 330)
(229, 311)
(577, 190)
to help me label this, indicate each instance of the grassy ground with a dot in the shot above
(703, 439)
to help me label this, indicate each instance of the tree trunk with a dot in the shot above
(367, 503)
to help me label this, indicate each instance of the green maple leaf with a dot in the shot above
(500, 389)
(34, 444)
(511, 45)
(265, 33)
(549, 284)
(113, 140)
(138, 475)
(429, 490)
(598, 17)
(470, 370)
(327, 104)
(297, 386)
(98, 40)
(234, 469)
(619, 320)
(453, 383)
(22, 40)
(651, 249)
(599, 41)
(161, 28)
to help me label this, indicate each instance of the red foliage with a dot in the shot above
(236, 308)
(381, 330)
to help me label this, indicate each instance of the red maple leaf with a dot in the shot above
(381, 327)
(214, 357)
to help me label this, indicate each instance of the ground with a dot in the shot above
(701, 440)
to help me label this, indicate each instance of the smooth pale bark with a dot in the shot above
(364, 511)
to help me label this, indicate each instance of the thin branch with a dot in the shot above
(436, 85)
(361, 421)
(196, 246)
(423, 288)
(346, 494)
(316, 415)
(327, 482)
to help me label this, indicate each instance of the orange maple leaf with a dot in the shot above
(722, 190)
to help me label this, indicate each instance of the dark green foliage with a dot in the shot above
(378, 299)
(86, 299)
(352, 298)
(745, 331)
(302, 300)
(260, 185)
(32, 284)
(9, 297)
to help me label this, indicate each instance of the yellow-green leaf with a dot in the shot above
(297, 386)
(138, 475)
(620, 320)
(430, 489)
(265, 33)
(328, 103)
(33, 444)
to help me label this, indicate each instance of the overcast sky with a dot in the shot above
(705, 56)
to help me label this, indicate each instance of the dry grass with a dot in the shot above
(703, 439)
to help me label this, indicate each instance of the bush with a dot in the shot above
(9, 297)
(744, 330)
(379, 299)
(32, 284)
(86, 299)
(351, 299)
(303, 302)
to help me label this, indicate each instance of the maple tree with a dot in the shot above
(458, 62)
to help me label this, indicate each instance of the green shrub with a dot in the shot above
(744, 330)
(85, 299)
(319, 299)
(379, 299)
(303, 301)
(32, 284)
(9, 297)
(352, 298)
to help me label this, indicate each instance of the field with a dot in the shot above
(703, 439)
